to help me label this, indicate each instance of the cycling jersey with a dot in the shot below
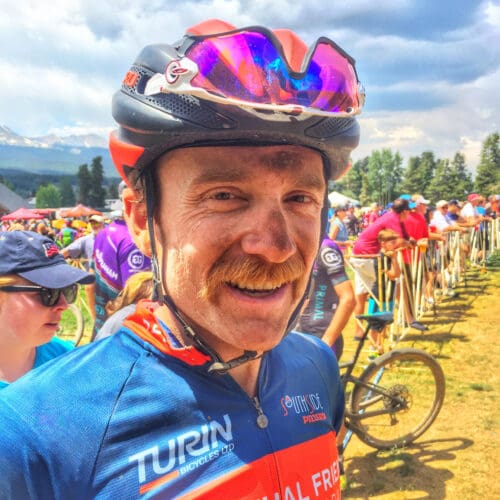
(328, 272)
(46, 352)
(137, 415)
(116, 258)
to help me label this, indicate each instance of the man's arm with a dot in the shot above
(343, 312)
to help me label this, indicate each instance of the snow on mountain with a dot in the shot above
(10, 138)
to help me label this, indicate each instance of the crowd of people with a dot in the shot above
(220, 293)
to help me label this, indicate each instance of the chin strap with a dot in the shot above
(218, 367)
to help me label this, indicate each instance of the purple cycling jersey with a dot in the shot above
(116, 258)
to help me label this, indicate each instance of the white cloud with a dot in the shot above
(61, 61)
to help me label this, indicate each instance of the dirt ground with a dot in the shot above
(458, 457)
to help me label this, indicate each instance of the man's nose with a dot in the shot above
(269, 236)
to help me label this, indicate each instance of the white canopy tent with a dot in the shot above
(337, 199)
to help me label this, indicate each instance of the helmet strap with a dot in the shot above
(150, 209)
(218, 366)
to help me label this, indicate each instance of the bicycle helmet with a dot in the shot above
(222, 86)
(253, 86)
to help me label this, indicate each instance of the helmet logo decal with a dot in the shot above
(174, 71)
(176, 77)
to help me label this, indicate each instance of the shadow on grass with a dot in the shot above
(409, 469)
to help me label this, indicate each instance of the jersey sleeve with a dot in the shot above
(330, 258)
(131, 261)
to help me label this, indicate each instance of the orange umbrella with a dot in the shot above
(80, 211)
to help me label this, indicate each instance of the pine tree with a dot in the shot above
(488, 171)
(413, 179)
(84, 184)
(384, 175)
(113, 190)
(440, 187)
(351, 183)
(67, 193)
(97, 193)
(460, 179)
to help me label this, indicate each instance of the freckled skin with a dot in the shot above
(263, 202)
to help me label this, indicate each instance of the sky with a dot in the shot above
(431, 68)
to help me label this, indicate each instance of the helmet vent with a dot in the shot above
(330, 127)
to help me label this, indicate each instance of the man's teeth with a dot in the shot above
(254, 288)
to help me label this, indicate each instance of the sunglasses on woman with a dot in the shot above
(48, 296)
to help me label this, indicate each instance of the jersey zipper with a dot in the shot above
(262, 420)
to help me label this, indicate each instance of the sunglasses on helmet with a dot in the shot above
(48, 296)
(248, 67)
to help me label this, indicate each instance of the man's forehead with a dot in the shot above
(232, 163)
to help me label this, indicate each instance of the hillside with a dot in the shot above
(52, 154)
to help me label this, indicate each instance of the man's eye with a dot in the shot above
(300, 198)
(223, 195)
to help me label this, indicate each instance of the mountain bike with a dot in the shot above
(396, 398)
(74, 318)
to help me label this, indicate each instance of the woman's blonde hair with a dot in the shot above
(138, 286)
(9, 279)
(387, 235)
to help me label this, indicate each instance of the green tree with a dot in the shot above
(97, 193)
(48, 197)
(440, 187)
(113, 190)
(7, 183)
(84, 183)
(460, 179)
(352, 183)
(68, 198)
(428, 165)
(488, 171)
(414, 180)
(384, 176)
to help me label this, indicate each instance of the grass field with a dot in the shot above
(458, 456)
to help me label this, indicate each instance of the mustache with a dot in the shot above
(252, 272)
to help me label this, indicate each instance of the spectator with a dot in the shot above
(139, 286)
(374, 213)
(338, 230)
(116, 258)
(83, 248)
(67, 234)
(352, 222)
(331, 299)
(36, 286)
(365, 252)
(229, 203)
(387, 270)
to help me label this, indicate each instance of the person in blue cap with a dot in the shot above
(36, 286)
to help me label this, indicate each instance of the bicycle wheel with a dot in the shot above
(71, 325)
(403, 395)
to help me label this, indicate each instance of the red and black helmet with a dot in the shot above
(222, 86)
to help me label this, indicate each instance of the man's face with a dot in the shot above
(238, 230)
(421, 208)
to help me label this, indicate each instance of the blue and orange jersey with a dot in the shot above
(138, 416)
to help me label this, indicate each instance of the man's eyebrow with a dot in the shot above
(304, 180)
(216, 174)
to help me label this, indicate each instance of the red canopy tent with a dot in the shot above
(79, 211)
(22, 213)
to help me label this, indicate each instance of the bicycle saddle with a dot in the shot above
(377, 321)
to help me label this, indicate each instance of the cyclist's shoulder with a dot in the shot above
(56, 347)
(301, 345)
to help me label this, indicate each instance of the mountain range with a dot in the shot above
(51, 154)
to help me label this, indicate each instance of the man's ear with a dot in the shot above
(135, 215)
